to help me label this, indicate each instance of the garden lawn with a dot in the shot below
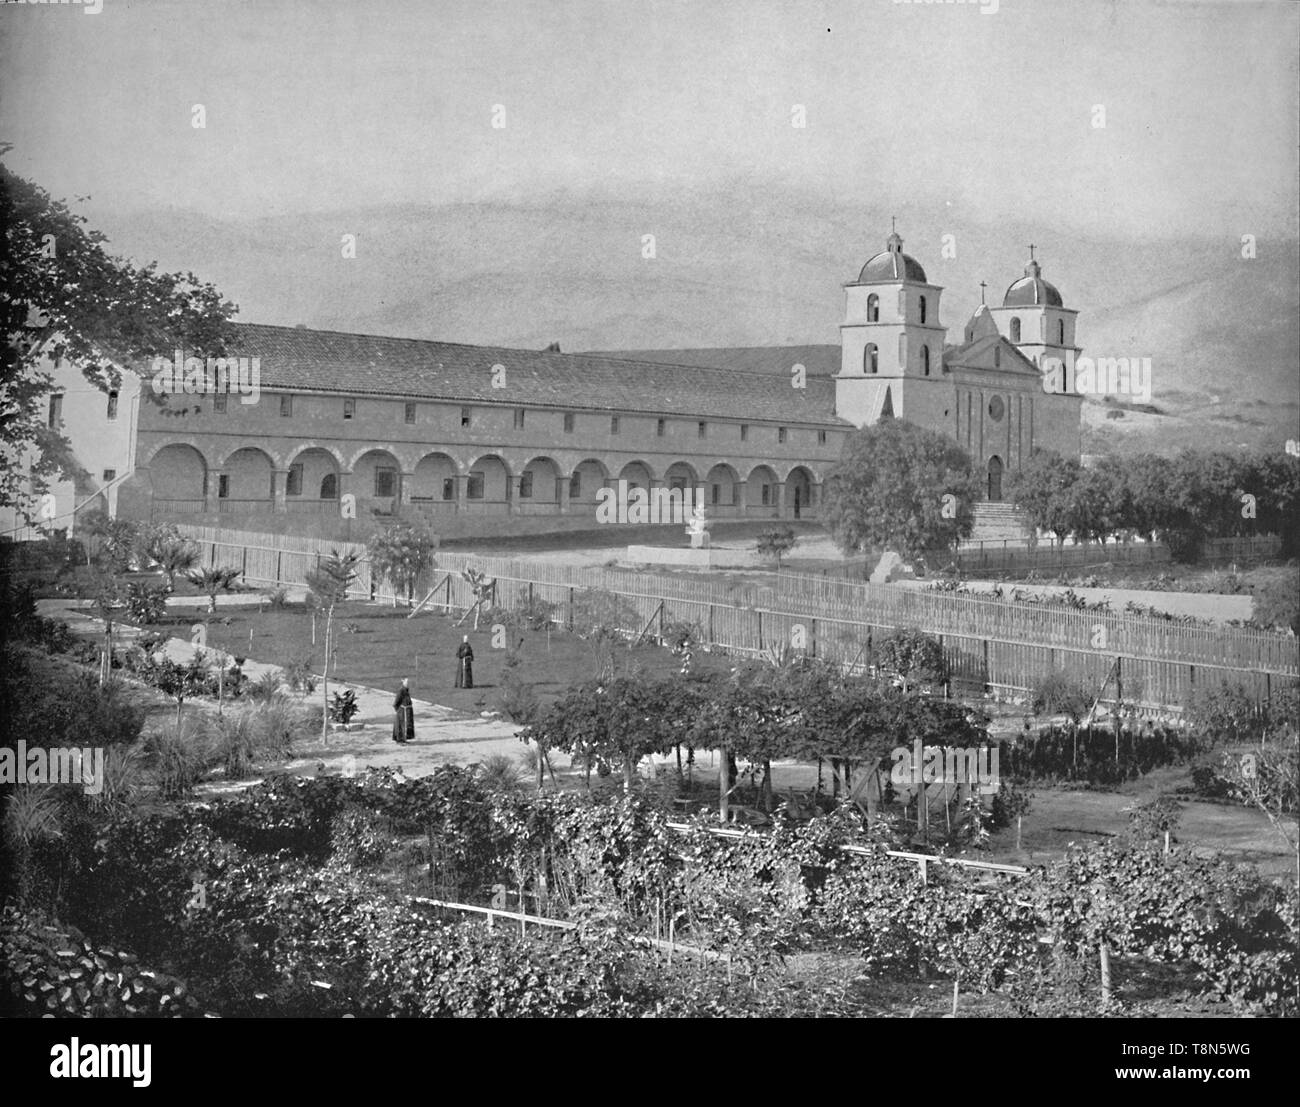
(378, 645)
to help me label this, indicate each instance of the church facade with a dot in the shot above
(455, 434)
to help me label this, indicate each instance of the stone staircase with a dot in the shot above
(1000, 522)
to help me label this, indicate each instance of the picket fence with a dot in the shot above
(992, 645)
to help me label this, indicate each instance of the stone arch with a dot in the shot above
(377, 476)
(320, 475)
(681, 474)
(249, 474)
(434, 478)
(721, 485)
(192, 443)
(539, 481)
(488, 484)
(799, 484)
(637, 474)
(586, 480)
(761, 490)
(179, 471)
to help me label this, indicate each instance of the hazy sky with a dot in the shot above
(324, 104)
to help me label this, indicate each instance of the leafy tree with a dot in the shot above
(402, 555)
(483, 587)
(1277, 603)
(214, 580)
(1043, 488)
(329, 585)
(68, 299)
(900, 487)
(913, 655)
(775, 544)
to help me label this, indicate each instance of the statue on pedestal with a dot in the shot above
(698, 528)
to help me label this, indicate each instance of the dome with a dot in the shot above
(1032, 291)
(892, 265)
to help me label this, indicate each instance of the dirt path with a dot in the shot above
(442, 735)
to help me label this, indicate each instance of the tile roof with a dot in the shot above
(819, 360)
(294, 358)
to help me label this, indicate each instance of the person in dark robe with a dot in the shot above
(464, 664)
(404, 721)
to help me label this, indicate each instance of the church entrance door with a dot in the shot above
(995, 479)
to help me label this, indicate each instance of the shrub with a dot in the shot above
(145, 603)
(343, 706)
(300, 677)
(1277, 604)
(178, 758)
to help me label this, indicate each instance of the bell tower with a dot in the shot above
(891, 340)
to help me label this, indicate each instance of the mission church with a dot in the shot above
(457, 434)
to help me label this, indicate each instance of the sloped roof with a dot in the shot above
(978, 354)
(294, 358)
(818, 360)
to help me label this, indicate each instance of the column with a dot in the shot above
(738, 499)
(211, 500)
(778, 492)
(279, 490)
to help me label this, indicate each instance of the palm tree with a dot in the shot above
(213, 581)
(174, 555)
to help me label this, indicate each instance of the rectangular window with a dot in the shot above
(613, 424)
(821, 438)
(519, 418)
(659, 427)
(293, 486)
(110, 474)
(56, 409)
(717, 494)
(219, 403)
(223, 486)
(703, 429)
(767, 495)
(744, 432)
(349, 408)
(526, 486)
(464, 417)
(410, 414)
(568, 422)
(780, 434)
(474, 487)
(448, 488)
(575, 486)
(385, 482)
(112, 405)
(286, 406)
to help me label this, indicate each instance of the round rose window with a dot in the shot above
(996, 408)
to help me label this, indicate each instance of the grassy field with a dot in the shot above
(378, 646)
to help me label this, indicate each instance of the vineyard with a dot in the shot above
(304, 897)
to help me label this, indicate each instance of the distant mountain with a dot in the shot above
(739, 274)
